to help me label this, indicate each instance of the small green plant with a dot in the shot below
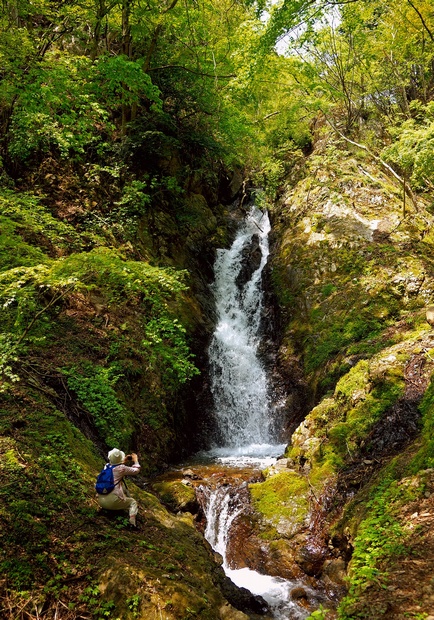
(133, 603)
(94, 386)
(319, 614)
(100, 609)
(328, 289)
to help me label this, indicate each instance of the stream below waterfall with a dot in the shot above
(247, 440)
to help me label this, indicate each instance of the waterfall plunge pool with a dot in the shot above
(260, 455)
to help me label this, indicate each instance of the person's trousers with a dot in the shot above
(113, 502)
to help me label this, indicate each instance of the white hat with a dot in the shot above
(116, 456)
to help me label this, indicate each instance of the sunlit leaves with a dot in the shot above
(67, 101)
(118, 80)
(413, 150)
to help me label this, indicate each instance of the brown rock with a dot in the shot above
(310, 559)
(297, 593)
(335, 571)
(227, 612)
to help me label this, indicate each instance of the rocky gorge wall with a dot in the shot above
(350, 354)
(353, 275)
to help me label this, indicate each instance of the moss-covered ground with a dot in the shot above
(60, 551)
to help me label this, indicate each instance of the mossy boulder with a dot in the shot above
(283, 503)
(177, 495)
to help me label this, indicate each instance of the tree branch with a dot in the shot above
(404, 183)
(272, 114)
(421, 19)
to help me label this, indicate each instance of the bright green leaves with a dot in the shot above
(56, 110)
(413, 150)
(168, 350)
(118, 80)
(67, 102)
(95, 390)
(28, 231)
(120, 280)
(288, 16)
(360, 61)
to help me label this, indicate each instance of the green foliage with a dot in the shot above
(319, 614)
(355, 328)
(168, 350)
(122, 280)
(118, 80)
(271, 175)
(98, 607)
(56, 110)
(29, 295)
(359, 419)
(94, 387)
(380, 540)
(133, 603)
(67, 103)
(28, 229)
(134, 198)
(425, 456)
(413, 148)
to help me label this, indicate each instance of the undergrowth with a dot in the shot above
(380, 540)
(95, 389)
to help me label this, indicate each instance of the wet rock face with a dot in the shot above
(243, 599)
(251, 259)
(335, 571)
(245, 548)
(310, 559)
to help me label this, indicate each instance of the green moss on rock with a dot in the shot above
(283, 501)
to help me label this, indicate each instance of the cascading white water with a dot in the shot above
(221, 510)
(240, 391)
(222, 507)
(238, 379)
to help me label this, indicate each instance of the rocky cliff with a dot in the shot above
(351, 504)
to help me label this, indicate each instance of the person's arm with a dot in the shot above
(134, 469)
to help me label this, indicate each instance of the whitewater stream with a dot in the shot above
(241, 396)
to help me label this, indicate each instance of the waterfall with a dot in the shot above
(222, 505)
(242, 405)
(238, 380)
(221, 509)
